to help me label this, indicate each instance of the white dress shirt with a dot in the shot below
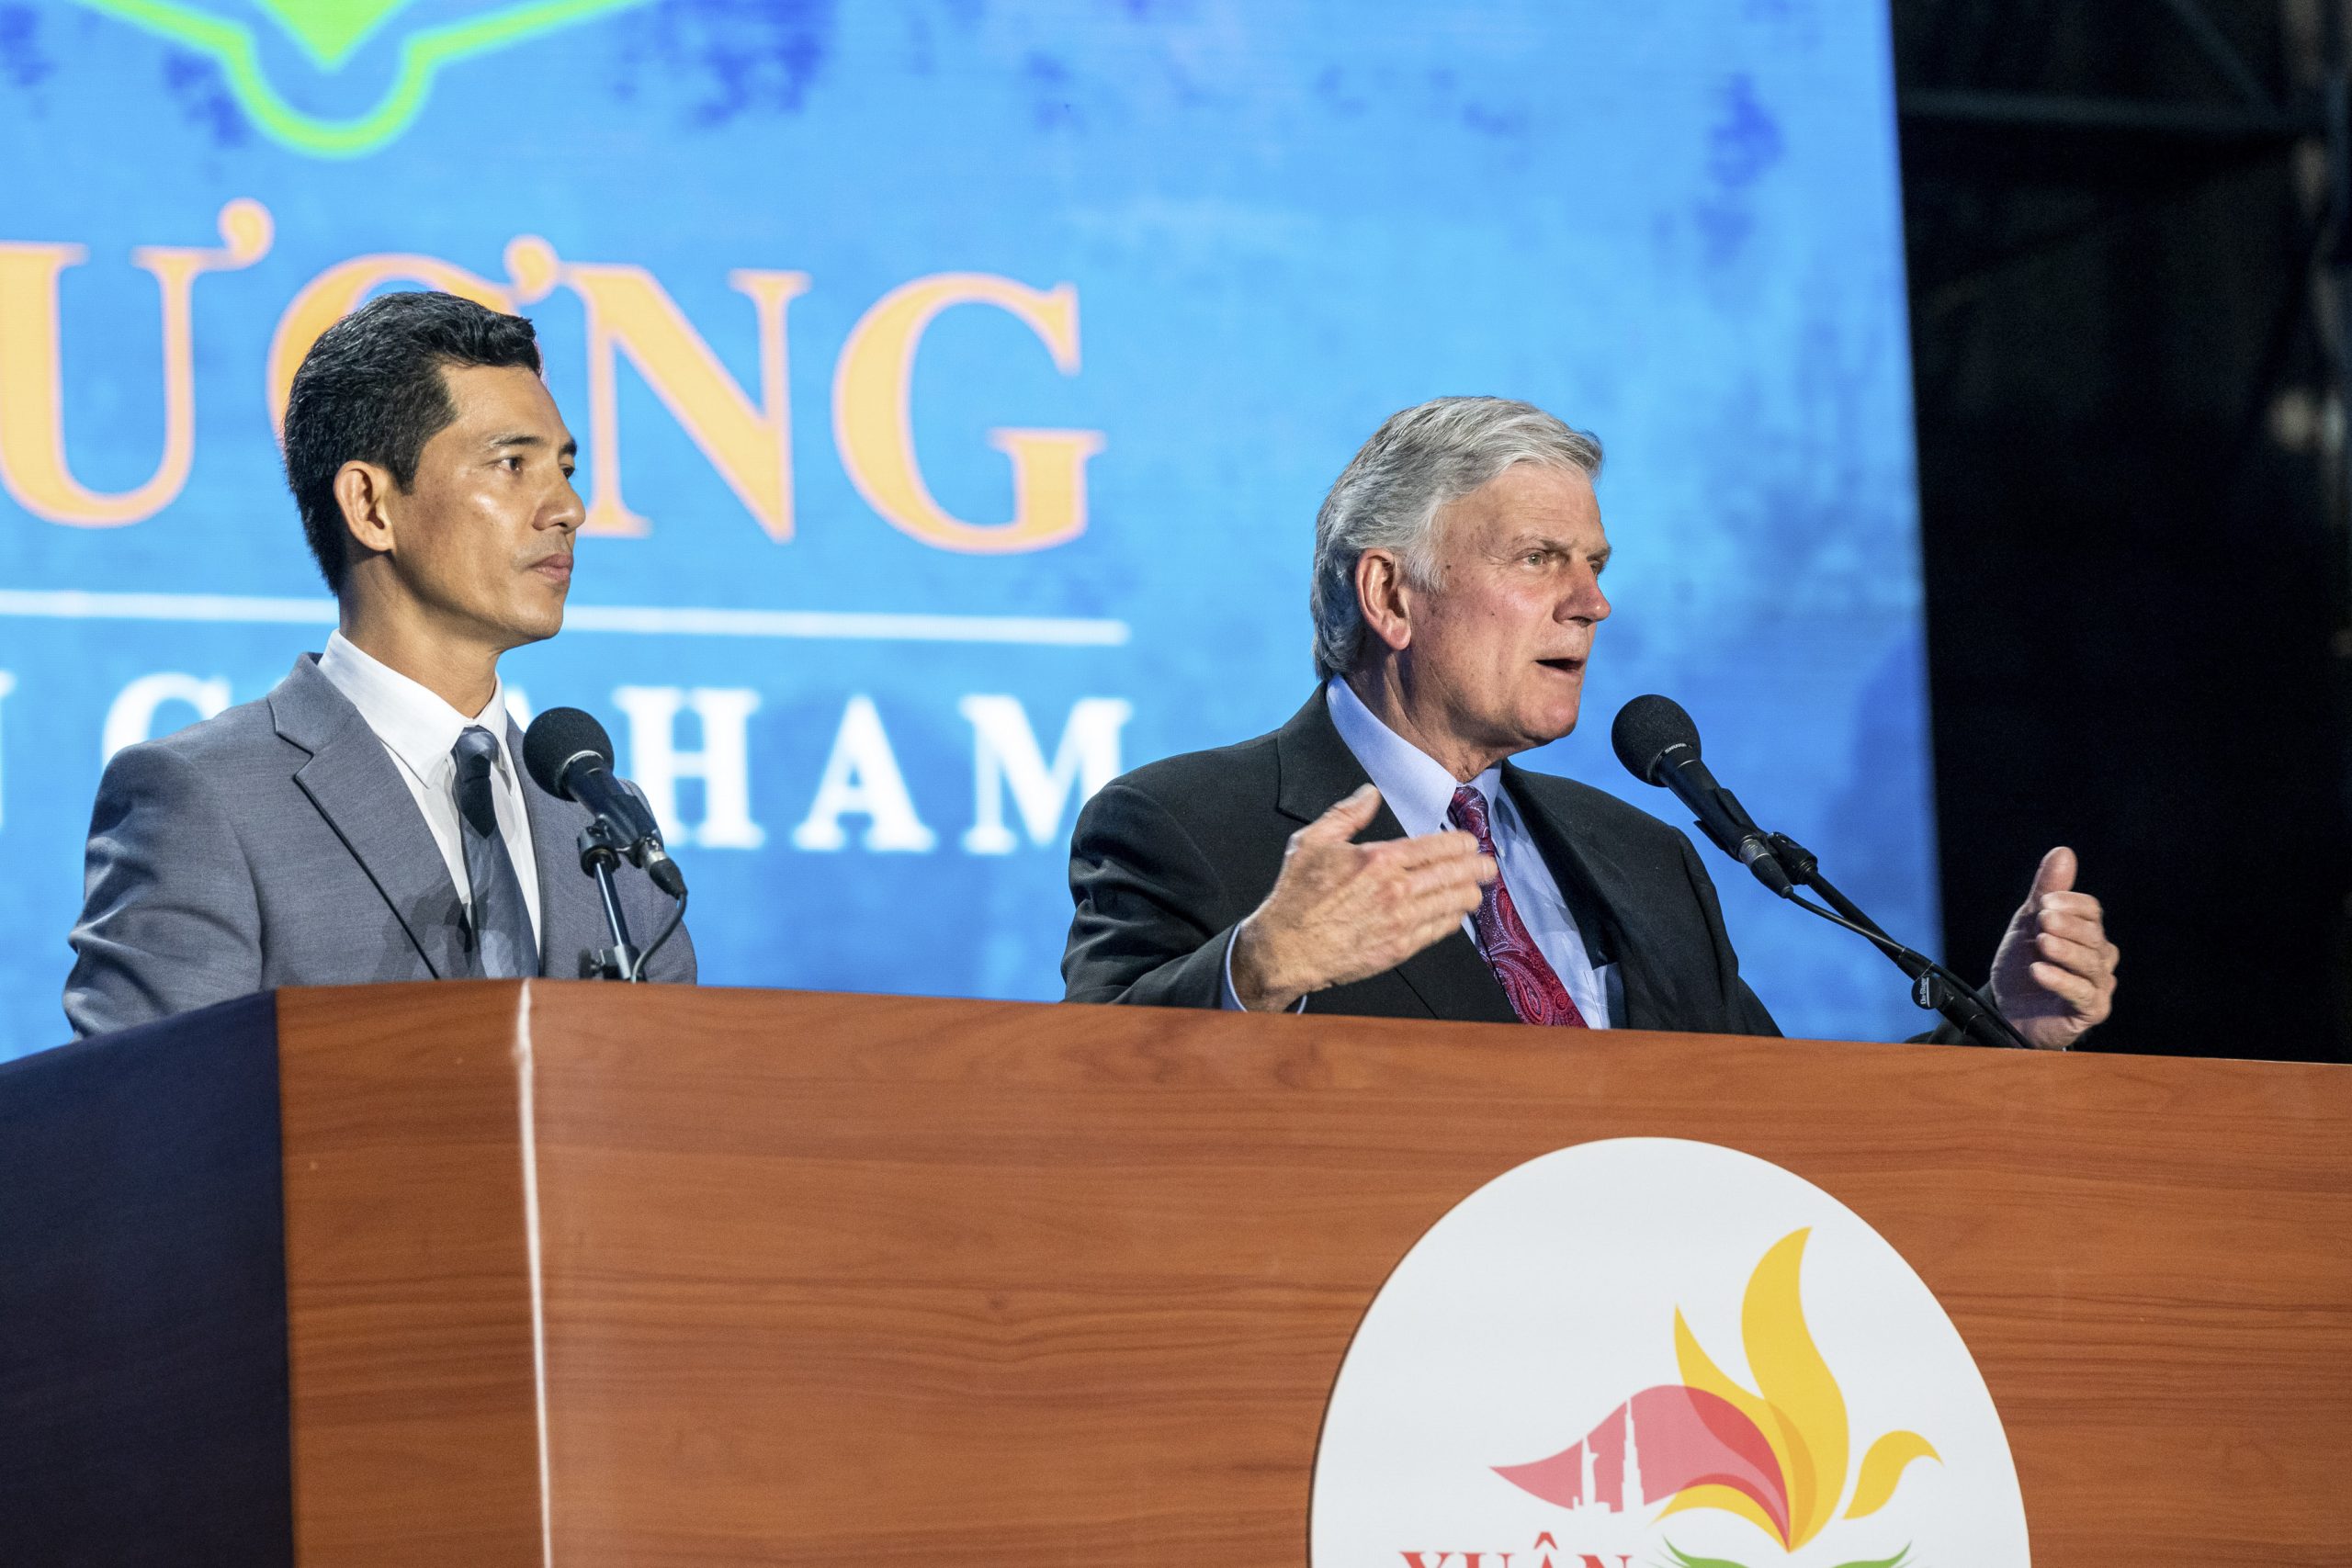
(421, 733)
(1419, 793)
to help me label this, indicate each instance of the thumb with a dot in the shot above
(1348, 816)
(2055, 875)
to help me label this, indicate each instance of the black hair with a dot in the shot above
(370, 391)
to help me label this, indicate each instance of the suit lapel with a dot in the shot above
(571, 912)
(1316, 771)
(357, 788)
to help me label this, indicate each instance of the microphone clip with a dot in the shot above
(1934, 987)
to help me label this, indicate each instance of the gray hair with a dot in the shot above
(1389, 495)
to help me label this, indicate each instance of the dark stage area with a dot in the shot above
(2127, 243)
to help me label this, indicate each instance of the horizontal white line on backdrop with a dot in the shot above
(645, 620)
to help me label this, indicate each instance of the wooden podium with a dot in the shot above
(590, 1275)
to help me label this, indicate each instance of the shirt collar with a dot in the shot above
(1417, 786)
(412, 720)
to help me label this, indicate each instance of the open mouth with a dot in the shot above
(1565, 666)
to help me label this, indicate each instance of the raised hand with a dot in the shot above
(2053, 976)
(1343, 911)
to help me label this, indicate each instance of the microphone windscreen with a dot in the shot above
(554, 739)
(1645, 728)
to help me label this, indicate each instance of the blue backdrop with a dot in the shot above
(958, 383)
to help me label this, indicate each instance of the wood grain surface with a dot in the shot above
(413, 1395)
(890, 1281)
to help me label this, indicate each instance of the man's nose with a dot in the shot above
(1585, 602)
(566, 510)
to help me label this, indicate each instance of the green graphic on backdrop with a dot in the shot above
(328, 32)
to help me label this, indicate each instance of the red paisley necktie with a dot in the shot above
(1536, 992)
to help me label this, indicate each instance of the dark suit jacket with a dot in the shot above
(275, 845)
(1167, 860)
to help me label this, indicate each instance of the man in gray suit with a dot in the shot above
(370, 820)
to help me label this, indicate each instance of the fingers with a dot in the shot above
(1430, 848)
(2081, 904)
(2092, 961)
(2055, 875)
(1400, 932)
(2071, 931)
(1443, 871)
(1457, 885)
(2055, 971)
(2053, 884)
(2089, 930)
(1349, 815)
(1425, 902)
(2078, 993)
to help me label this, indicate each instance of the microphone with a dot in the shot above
(570, 756)
(1659, 745)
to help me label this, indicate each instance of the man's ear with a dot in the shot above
(1381, 598)
(364, 492)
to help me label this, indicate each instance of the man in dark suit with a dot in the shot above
(1456, 595)
(370, 818)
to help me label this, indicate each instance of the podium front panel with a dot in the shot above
(590, 1275)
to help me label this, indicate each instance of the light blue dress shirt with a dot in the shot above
(1419, 792)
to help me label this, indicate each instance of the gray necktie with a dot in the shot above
(503, 947)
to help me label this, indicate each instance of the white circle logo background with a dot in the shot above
(1546, 1299)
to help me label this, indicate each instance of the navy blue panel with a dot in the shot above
(143, 1299)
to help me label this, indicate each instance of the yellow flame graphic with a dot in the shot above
(1797, 1407)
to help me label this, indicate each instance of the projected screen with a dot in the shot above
(957, 383)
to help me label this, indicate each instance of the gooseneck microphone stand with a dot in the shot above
(1659, 745)
(569, 755)
(1933, 986)
(600, 854)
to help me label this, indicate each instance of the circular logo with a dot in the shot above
(1650, 1353)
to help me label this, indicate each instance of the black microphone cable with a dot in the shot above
(1659, 745)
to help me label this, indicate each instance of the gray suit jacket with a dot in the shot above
(275, 845)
